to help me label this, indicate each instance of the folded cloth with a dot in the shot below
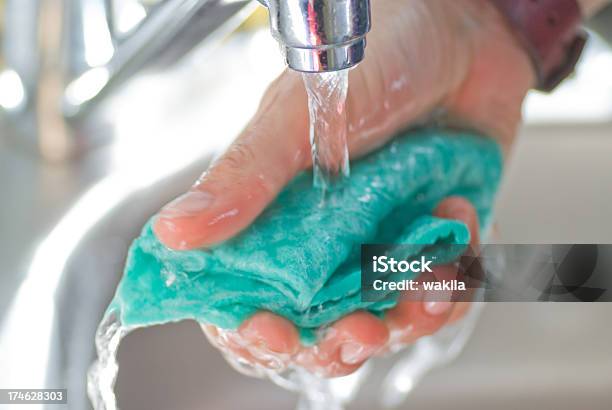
(301, 257)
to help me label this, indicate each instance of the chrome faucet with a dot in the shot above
(320, 35)
(62, 58)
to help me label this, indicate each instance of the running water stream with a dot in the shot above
(103, 373)
(327, 94)
(315, 393)
(328, 126)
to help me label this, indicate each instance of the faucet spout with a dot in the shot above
(320, 35)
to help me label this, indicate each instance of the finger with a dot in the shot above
(459, 208)
(271, 332)
(440, 302)
(346, 345)
(411, 319)
(358, 335)
(255, 342)
(228, 343)
(239, 185)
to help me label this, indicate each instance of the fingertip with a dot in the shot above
(411, 321)
(175, 222)
(168, 233)
(359, 335)
(204, 218)
(421, 313)
(362, 327)
(274, 332)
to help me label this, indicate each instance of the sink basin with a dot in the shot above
(529, 356)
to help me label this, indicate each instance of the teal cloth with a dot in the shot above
(301, 257)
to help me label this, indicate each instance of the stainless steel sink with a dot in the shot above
(65, 232)
(532, 356)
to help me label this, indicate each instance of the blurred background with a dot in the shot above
(110, 108)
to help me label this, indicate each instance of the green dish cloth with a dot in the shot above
(301, 258)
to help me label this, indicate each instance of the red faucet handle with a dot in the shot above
(551, 34)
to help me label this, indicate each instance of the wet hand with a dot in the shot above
(456, 59)
(273, 342)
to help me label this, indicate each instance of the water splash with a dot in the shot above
(103, 373)
(314, 392)
(328, 126)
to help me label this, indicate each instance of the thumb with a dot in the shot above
(407, 72)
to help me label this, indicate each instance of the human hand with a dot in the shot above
(456, 57)
(270, 341)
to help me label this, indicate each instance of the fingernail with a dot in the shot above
(189, 204)
(437, 308)
(353, 353)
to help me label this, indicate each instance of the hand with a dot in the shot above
(458, 58)
(273, 342)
